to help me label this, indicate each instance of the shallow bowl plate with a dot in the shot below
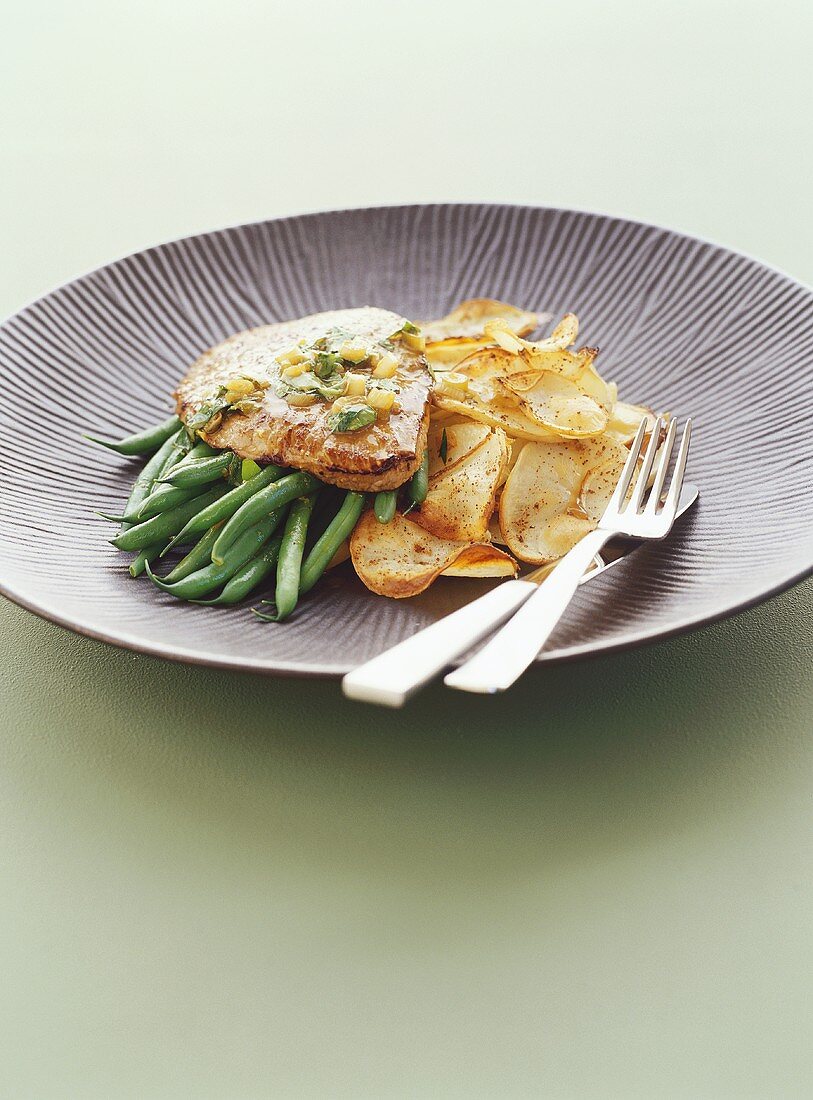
(684, 326)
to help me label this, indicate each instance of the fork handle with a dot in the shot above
(394, 675)
(503, 660)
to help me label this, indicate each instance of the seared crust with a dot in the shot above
(382, 456)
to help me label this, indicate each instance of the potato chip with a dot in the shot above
(624, 420)
(560, 406)
(468, 319)
(462, 496)
(485, 398)
(541, 514)
(446, 354)
(512, 420)
(450, 443)
(400, 559)
(599, 484)
(482, 561)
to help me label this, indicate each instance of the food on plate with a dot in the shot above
(402, 558)
(458, 448)
(341, 395)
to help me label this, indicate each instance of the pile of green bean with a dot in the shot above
(243, 522)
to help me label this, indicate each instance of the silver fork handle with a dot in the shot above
(503, 660)
(393, 676)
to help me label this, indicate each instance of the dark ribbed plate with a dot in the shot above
(684, 326)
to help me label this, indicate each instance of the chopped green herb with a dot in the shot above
(249, 469)
(443, 449)
(332, 340)
(407, 327)
(351, 418)
(327, 388)
(206, 413)
(383, 384)
(326, 363)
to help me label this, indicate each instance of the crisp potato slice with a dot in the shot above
(560, 406)
(513, 421)
(600, 482)
(541, 514)
(482, 561)
(460, 440)
(468, 320)
(625, 419)
(400, 559)
(563, 335)
(462, 497)
(486, 400)
(446, 354)
(566, 363)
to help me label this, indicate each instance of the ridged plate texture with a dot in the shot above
(684, 326)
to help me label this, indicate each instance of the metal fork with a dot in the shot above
(392, 676)
(503, 660)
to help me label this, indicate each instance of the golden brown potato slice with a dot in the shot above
(451, 443)
(476, 390)
(624, 420)
(541, 513)
(400, 559)
(461, 497)
(482, 561)
(446, 354)
(560, 406)
(468, 320)
(599, 483)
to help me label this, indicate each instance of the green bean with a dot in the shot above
(168, 453)
(419, 482)
(290, 560)
(164, 458)
(165, 525)
(246, 579)
(148, 554)
(163, 497)
(152, 470)
(142, 443)
(272, 496)
(228, 504)
(324, 549)
(199, 556)
(384, 505)
(203, 581)
(188, 474)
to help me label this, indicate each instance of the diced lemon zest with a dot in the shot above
(294, 370)
(239, 387)
(414, 341)
(451, 383)
(381, 400)
(301, 400)
(386, 365)
(355, 384)
(291, 356)
(353, 353)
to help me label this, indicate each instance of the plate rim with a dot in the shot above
(299, 669)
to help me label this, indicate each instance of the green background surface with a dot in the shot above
(218, 885)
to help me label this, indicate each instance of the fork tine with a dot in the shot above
(646, 468)
(673, 496)
(617, 499)
(663, 469)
